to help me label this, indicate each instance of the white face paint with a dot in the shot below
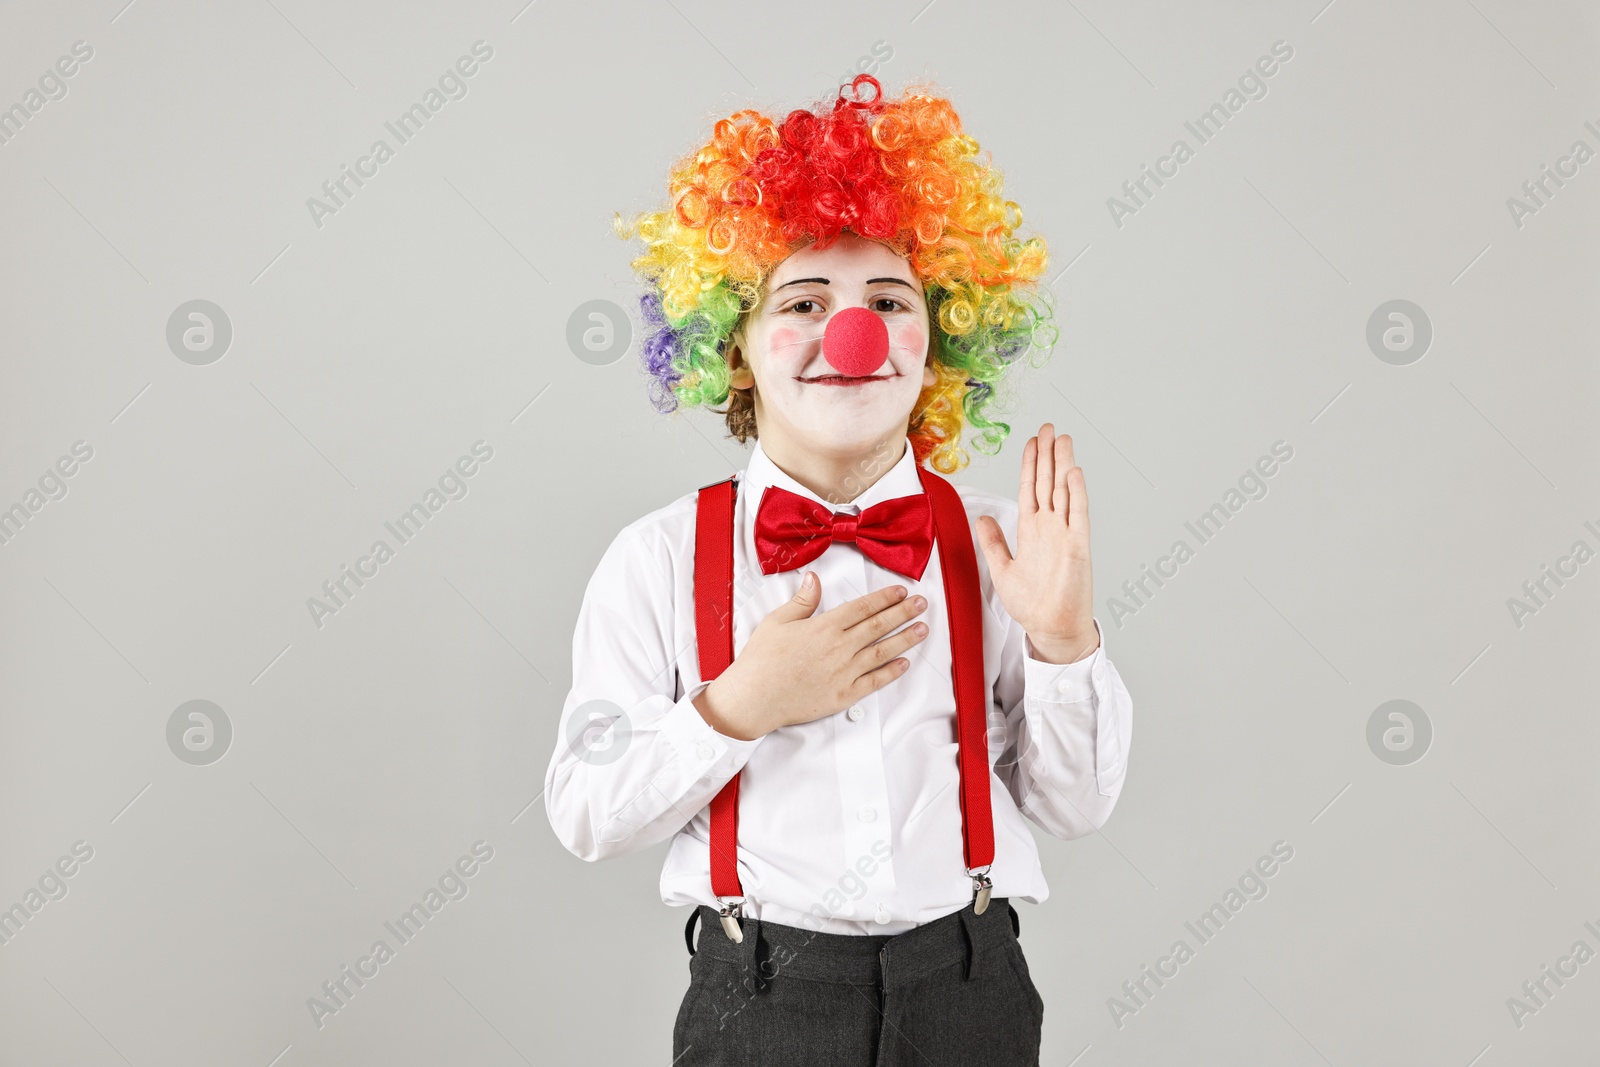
(801, 402)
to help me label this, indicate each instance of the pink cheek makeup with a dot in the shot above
(909, 338)
(855, 345)
(785, 337)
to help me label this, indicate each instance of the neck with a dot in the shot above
(836, 477)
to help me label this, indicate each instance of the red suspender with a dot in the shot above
(713, 624)
(964, 607)
(958, 562)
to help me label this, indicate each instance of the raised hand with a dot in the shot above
(1048, 586)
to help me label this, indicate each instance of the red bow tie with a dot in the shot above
(792, 530)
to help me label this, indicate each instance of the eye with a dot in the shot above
(894, 305)
(804, 307)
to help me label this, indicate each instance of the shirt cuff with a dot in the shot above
(1064, 683)
(715, 754)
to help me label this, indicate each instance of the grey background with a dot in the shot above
(369, 354)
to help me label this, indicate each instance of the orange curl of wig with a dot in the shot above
(898, 171)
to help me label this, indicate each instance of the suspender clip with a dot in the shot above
(981, 889)
(731, 914)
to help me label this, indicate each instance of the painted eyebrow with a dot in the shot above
(870, 281)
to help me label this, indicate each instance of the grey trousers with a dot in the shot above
(954, 992)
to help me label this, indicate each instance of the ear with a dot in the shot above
(740, 376)
(929, 378)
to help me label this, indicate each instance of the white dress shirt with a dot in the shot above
(851, 823)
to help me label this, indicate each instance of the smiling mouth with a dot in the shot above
(845, 379)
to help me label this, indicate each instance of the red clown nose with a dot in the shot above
(856, 342)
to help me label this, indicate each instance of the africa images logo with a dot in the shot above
(452, 885)
(452, 485)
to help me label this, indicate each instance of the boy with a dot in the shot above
(802, 675)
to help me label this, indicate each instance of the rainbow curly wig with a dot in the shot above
(898, 171)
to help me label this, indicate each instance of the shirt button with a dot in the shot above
(704, 750)
(854, 714)
(882, 915)
(1099, 672)
(867, 814)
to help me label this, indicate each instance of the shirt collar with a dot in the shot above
(900, 480)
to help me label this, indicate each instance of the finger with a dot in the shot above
(1027, 503)
(1059, 500)
(875, 655)
(805, 599)
(875, 680)
(894, 615)
(862, 608)
(1078, 514)
(992, 539)
(1044, 479)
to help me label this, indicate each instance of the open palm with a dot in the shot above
(1048, 585)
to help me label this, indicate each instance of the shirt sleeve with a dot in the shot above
(1067, 732)
(632, 764)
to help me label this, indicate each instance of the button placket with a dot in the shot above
(863, 775)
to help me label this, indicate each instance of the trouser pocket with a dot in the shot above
(692, 997)
(1019, 969)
